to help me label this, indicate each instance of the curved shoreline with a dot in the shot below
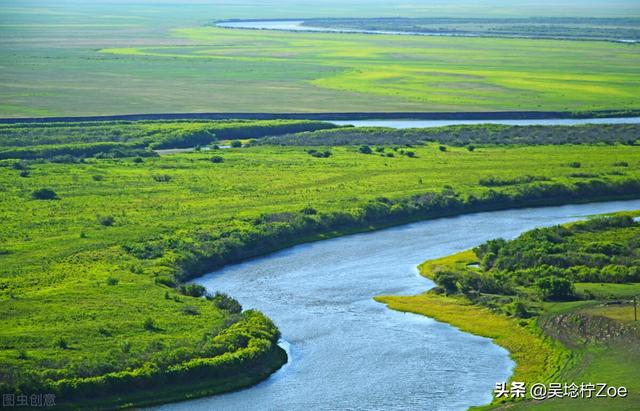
(346, 116)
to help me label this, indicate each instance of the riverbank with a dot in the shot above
(538, 358)
(562, 342)
(341, 116)
(125, 233)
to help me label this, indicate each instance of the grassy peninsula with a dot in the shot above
(558, 298)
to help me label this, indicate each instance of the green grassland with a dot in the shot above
(86, 61)
(592, 339)
(83, 273)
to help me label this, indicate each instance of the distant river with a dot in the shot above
(297, 25)
(408, 123)
(290, 25)
(347, 352)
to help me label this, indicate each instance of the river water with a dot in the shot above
(297, 25)
(409, 123)
(347, 352)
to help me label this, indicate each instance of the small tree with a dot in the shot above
(236, 144)
(364, 149)
(442, 148)
(471, 148)
(44, 194)
(447, 281)
(555, 288)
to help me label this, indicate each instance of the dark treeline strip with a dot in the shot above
(192, 254)
(407, 115)
(46, 140)
(462, 135)
(75, 151)
(534, 27)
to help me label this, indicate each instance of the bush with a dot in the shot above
(447, 280)
(192, 290)
(442, 148)
(61, 343)
(621, 164)
(190, 310)
(44, 194)
(149, 324)
(162, 178)
(575, 164)
(236, 144)
(106, 220)
(112, 281)
(224, 302)
(138, 160)
(319, 154)
(555, 288)
(471, 148)
(217, 159)
(364, 149)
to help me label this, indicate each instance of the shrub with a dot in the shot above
(364, 149)
(190, 310)
(149, 324)
(442, 148)
(224, 302)
(97, 177)
(575, 164)
(448, 281)
(192, 290)
(471, 148)
(24, 173)
(106, 220)
(217, 159)
(236, 144)
(555, 288)
(162, 178)
(621, 164)
(319, 154)
(44, 194)
(112, 281)
(61, 343)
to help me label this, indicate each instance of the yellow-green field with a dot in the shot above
(149, 63)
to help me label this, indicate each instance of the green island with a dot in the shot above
(558, 298)
(97, 247)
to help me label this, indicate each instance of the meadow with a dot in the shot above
(84, 61)
(95, 249)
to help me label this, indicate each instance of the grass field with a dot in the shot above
(84, 61)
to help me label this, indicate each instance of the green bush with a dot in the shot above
(44, 194)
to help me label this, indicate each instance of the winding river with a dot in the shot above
(411, 123)
(348, 352)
